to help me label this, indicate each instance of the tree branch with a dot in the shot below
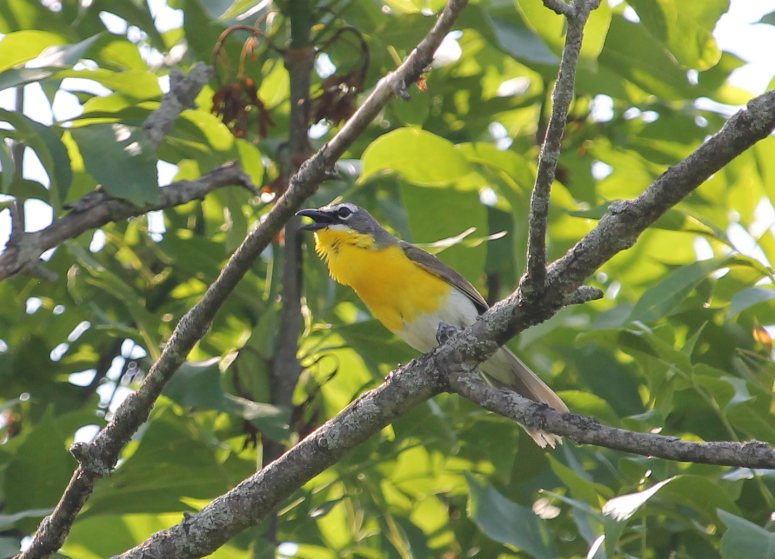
(452, 365)
(559, 7)
(23, 250)
(98, 208)
(562, 96)
(134, 411)
(587, 430)
(183, 92)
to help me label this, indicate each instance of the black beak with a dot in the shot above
(322, 220)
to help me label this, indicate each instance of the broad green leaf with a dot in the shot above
(17, 48)
(10, 519)
(507, 522)
(40, 470)
(522, 44)
(62, 56)
(748, 298)
(511, 167)
(581, 488)
(172, 461)
(753, 415)
(744, 539)
(420, 157)
(136, 84)
(768, 18)
(22, 76)
(685, 28)
(198, 385)
(109, 535)
(664, 298)
(47, 143)
(372, 340)
(429, 211)
(551, 26)
(415, 111)
(123, 55)
(121, 159)
(250, 161)
(635, 55)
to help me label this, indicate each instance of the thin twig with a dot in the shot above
(17, 154)
(562, 96)
(559, 7)
(98, 208)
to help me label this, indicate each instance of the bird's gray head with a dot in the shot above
(345, 216)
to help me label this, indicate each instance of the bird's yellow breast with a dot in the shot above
(396, 289)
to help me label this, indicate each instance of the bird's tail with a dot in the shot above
(504, 369)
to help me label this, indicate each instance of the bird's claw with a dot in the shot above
(445, 331)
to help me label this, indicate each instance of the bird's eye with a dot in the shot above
(344, 212)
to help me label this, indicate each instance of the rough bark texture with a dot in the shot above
(576, 17)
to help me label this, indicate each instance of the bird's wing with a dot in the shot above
(436, 267)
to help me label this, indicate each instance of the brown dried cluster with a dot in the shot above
(233, 103)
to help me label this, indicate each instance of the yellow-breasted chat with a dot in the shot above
(411, 292)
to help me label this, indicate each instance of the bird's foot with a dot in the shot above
(445, 331)
(391, 375)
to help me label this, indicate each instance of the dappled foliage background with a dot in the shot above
(677, 345)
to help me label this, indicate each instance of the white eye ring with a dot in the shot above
(344, 213)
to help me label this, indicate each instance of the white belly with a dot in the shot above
(457, 310)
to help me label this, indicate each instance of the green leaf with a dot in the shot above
(121, 159)
(11, 519)
(6, 164)
(415, 111)
(507, 522)
(250, 161)
(372, 340)
(420, 157)
(136, 84)
(550, 26)
(41, 469)
(198, 385)
(429, 211)
(768, 18)
(662, 299)
(523, 44)
(510, 166)
(685, 28)
(581, 488)
(748, 298)
(47, 143)
(634, 54)
(17, 48)
(172, 461)
(744, 539)
(62, 56)
(22, 76)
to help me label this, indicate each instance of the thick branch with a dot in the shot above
(134, 411)
(587, 430)
(577, 16)
(98, 208)
(254, 498)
